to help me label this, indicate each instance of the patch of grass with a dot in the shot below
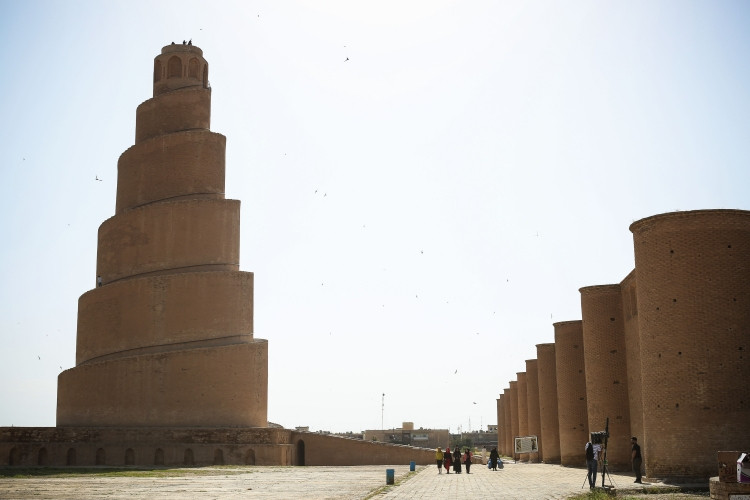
(396, 482)
(29, 472)
(661, 492)
(592, 495)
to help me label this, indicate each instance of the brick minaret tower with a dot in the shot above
(166, 337)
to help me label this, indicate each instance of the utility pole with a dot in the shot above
(382, 411)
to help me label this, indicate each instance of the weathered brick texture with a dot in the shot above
(514, 415)
(548, 419)
(571, 392)
(606, 370)
(165, 339)
(508, 423)
(632, 352)
(523, 411)
(500, 425)
(532, 399)
(692, 274)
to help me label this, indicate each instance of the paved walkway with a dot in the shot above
(523, 481)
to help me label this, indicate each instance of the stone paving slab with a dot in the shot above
(522, 481)
(514, 481)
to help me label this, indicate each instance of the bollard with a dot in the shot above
(412, 466)
(389, 476)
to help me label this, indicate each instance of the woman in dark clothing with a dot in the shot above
(493, 458)
(448, 460)
(457, 461)
(467, 460)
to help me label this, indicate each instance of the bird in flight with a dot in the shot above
(98, 179)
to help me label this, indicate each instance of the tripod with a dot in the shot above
(605, 472)
(601, 437)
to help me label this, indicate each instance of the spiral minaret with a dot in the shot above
(166, 337)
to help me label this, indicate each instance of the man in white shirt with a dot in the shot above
(592, 462)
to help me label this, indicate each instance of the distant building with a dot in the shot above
(480, 439)
(406, 434)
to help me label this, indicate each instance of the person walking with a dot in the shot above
(493, 458)
(635, 456)
(448, 460)
(439, 460)
(457, 461)
(592, 462)
(467, 460)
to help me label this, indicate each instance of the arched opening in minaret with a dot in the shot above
(129, 457)
(70, 457)
(157, 70)
(99, 457)
(42, 457)
(300, 452)
(194, 68)
(159, 457)
(218, 457)
(174, 67)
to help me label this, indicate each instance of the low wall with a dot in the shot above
(170, 447)
(143, 446)
(321, 449)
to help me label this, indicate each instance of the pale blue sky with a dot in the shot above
(476, 163)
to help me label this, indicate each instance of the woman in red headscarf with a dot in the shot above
(448, 460)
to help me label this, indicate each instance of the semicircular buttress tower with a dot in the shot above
(692, 273)
(166, 337)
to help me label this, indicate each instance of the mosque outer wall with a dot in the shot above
(500, 425)
(513, 416)
(629, 293)
(508, 434)
(532, 399)
(693, 275)
(548, 412)
(685, 321)
(606, 370)
(571, 391)
(523, 411)
(321, 449)
(143, 446)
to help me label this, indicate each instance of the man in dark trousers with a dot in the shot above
(592, 462)
(636, 458)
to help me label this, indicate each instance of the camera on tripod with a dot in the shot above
(599, 437)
